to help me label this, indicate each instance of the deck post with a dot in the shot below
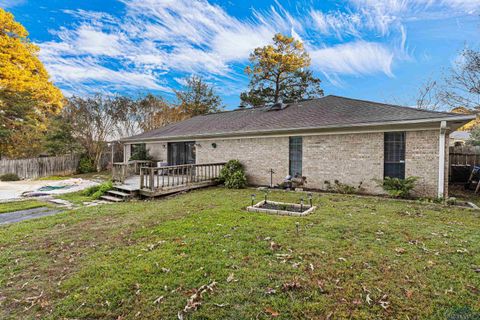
(141, 178)
(152, 179)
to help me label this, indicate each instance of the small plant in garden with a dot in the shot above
(396, 187)
(344, 188)
(86, 165)
(99, 190)
(233, 175)
(9, 177)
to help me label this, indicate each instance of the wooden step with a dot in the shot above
(111, 199)
(119, 193)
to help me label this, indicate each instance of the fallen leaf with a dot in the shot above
(158, 300)
(408, 293)
(400, 250)
(272, 312)
(367, 299)
(230, 278)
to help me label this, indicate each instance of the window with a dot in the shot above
(394, 155)
(139, 147)
(295, 156)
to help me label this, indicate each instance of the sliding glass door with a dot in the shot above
(181, 153)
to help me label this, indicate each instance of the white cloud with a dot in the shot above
(10, 3)
(155, 37)
(354, 58)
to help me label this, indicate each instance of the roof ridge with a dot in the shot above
(392, 105)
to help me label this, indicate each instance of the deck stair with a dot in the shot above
(120, 193)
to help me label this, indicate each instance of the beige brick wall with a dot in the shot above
(258, 155)
(421, 160)
(348, 158)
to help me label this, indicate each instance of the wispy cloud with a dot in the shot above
(10, 3)
(355, 58)
(156, 37)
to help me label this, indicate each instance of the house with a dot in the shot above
(326, 139)
(459, 138)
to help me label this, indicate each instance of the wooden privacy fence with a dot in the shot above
(462, 159)
(465, 155)
(41, 167)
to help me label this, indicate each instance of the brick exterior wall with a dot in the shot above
(349, 158)
(258, 155)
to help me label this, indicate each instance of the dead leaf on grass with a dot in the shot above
(272, 312)
(158, 300)
(230, 278)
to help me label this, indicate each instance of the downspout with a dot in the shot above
(441, 159)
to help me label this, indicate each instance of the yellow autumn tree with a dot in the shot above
(279, 72)
(23, 78)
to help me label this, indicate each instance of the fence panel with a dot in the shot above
(465, 155)
(41, 167)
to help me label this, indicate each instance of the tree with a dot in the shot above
(93, 121)
(20, 68)
(279, 72)
(60, 139)
(197, 98)
(427, 98)
(153, 112)
(21, 127)
(462, 86)
(27, 96)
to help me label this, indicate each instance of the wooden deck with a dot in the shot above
(160, 181)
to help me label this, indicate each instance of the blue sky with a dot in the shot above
(380, 50)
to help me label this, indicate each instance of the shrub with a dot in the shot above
(237, 180)
(9, 177)
(98, 190)
(343, 187)
(86, 165)
(398, 188)
(233, 175)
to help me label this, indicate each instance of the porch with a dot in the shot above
(143, 178)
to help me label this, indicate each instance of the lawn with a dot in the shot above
(20, 205)
(361, 258)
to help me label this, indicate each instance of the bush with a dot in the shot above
(99, 190)
(343, 187)
(398, 188)
(9, 177)
(237, 180)
(86, 165)
(233, 175)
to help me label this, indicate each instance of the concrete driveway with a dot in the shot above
(15, 189)
(16, 216)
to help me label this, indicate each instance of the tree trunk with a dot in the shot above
(277, 89)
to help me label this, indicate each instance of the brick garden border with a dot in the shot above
(257, 208)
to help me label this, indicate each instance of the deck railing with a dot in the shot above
(154, 178)
(123, 170)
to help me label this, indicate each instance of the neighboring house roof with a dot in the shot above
(326, 112)
(460, 135)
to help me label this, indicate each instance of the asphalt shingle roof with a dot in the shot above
(329, 111)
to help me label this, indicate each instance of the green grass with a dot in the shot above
(356, 258)
(20, 205)
(77, 198)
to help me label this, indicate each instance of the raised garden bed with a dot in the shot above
(282, 208)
